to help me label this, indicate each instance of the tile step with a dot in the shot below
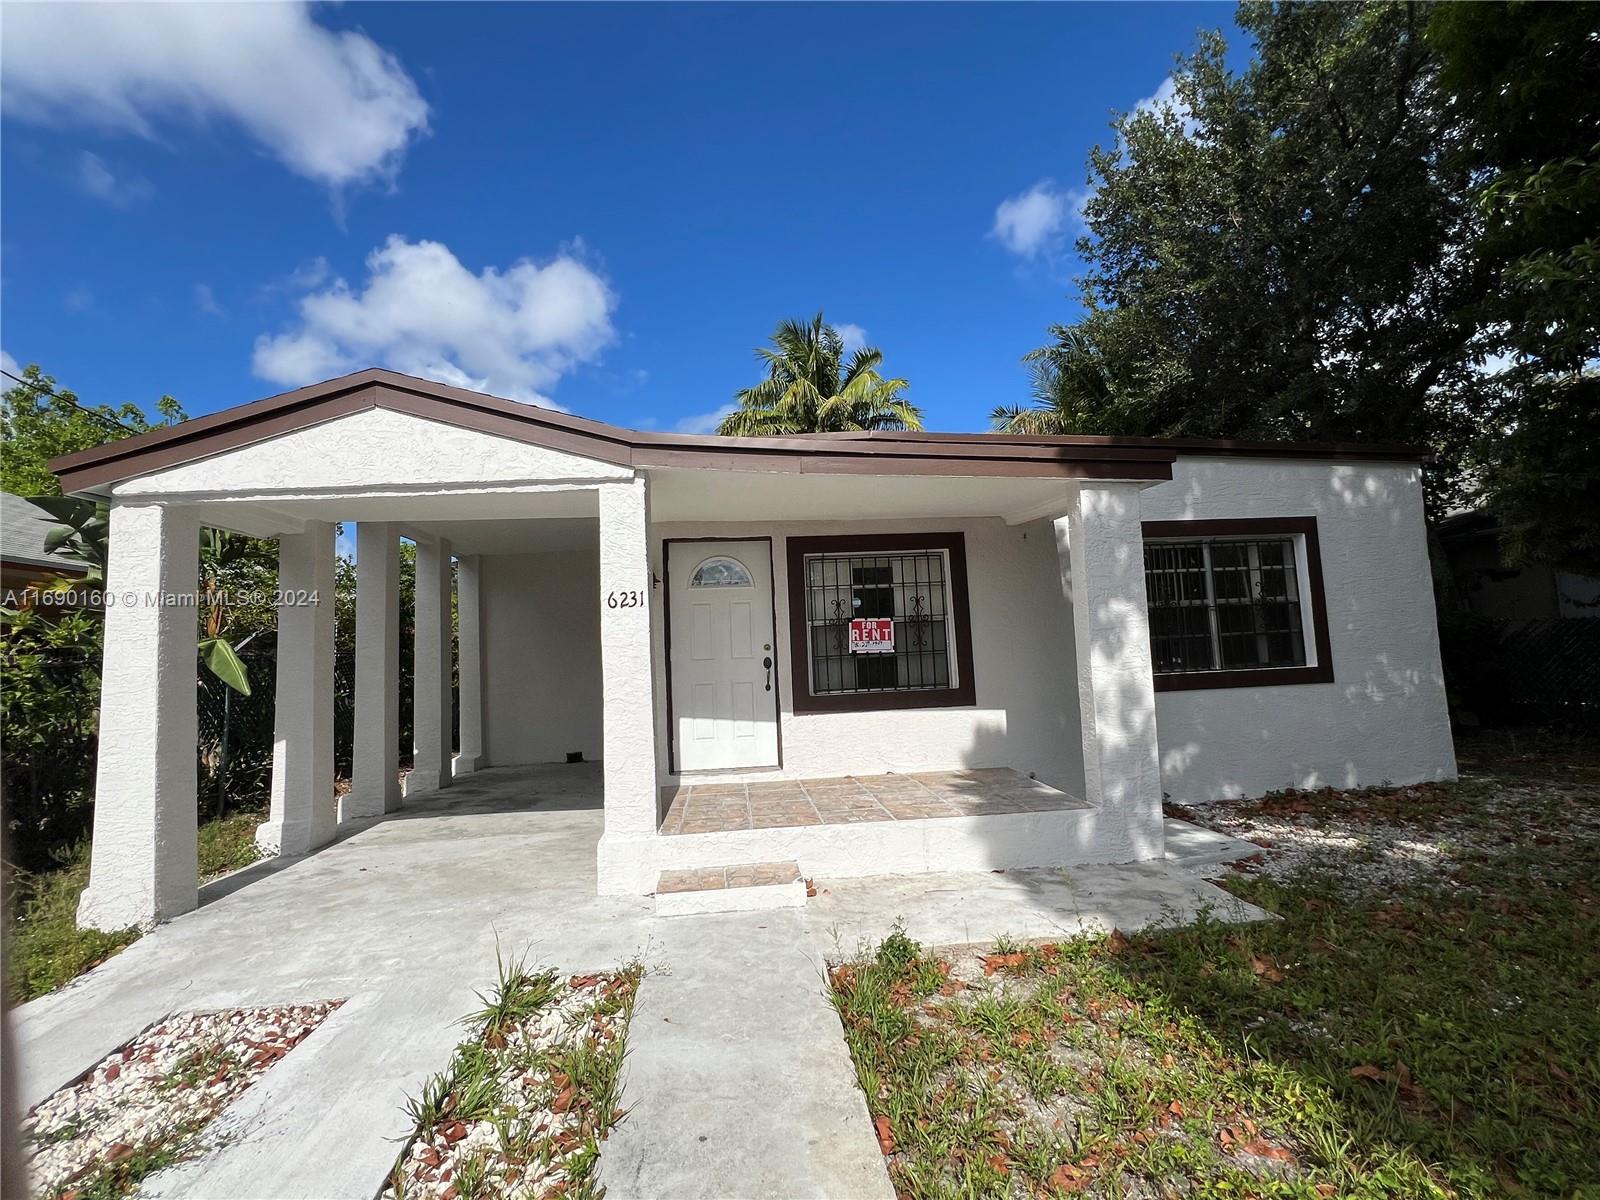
(739, 887)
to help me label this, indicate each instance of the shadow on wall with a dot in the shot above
(1384, 718)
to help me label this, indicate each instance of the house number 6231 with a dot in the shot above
(624, 599)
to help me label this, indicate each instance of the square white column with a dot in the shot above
(469, 662)
(629, 743)
(144, 861)
(304, 811)
(375, 753)
(1102, 547)
(433, 700)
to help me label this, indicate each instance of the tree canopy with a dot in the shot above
(39, 421)
(1344, 241)
(812, 386)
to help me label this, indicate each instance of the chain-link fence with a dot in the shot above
(236, 732)
(1516, 672)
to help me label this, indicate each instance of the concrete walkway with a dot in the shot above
(738, 1080)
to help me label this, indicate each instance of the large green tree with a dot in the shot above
(1280, 255)
(39, 421)
(1525, 82)
(812, 386)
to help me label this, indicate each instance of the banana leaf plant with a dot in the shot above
(82, 533)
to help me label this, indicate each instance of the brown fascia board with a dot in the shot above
(879, 453)
(1224, 447)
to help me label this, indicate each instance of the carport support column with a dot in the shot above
(375, 755)
(469, 670)
(304, 813)
(434, 695)
(1102, 546)
(629, 747)
(143, 863)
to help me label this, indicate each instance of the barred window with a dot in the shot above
(910, 590)
(1224, 604)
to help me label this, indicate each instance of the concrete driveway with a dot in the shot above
(738, 1081)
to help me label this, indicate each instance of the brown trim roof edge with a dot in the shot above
(885, 453)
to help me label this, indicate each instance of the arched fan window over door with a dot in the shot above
(720, 571)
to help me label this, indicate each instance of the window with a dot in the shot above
(1235, 603)
(720, 572)
(916, 584)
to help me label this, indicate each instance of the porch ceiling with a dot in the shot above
(549, 535)
(690, 495)
(474, 517)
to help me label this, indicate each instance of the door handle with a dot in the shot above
(767, 663)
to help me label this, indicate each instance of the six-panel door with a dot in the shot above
(724, 682)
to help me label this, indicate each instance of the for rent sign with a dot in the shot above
(872, 635)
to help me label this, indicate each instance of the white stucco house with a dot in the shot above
(862, 653)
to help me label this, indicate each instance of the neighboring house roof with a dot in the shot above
(831, 453)
(22, 531)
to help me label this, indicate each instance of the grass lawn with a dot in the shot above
(1428, 1030)
(45, 948)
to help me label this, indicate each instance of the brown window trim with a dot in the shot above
(1322, 672)
(964, 694)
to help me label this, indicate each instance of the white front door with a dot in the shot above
(724, 689)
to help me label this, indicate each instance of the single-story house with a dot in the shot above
(866, 653)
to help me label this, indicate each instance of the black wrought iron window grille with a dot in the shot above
(910, 589)
(1224, 604)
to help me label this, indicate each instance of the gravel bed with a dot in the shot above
(1371, 840)
(509, 1119)
(145, 1105)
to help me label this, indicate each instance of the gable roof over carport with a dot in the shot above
(846, 453)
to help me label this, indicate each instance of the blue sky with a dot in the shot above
(600, 207)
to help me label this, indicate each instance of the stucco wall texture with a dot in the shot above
(541, 656)
(1026, 716)
(1383, 718)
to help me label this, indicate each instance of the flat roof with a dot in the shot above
(875, 453)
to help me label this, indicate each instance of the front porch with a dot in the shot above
(849, 800)
(545, 628)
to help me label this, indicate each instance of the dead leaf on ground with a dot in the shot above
(1262, 1148)
(1002, 962)
(1265, 969)
(1068, 1178)
(885, 1135)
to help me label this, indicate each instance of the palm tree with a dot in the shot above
(1071, 389)
(810, 388)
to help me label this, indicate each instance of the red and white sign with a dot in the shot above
(872, 635)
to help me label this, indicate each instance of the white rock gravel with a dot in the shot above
(1370, 852)
(158, 1091)
(549, 1119)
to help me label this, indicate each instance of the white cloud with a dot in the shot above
(78, 299)
(705, 422)
(513, 332)
(332, 106)
(206, 300)
(1035, 223)
(9, 366)
(310, 275)
(854, 336)
(1166, 99)
(96, 179)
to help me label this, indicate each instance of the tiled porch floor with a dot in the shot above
(983, 791)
